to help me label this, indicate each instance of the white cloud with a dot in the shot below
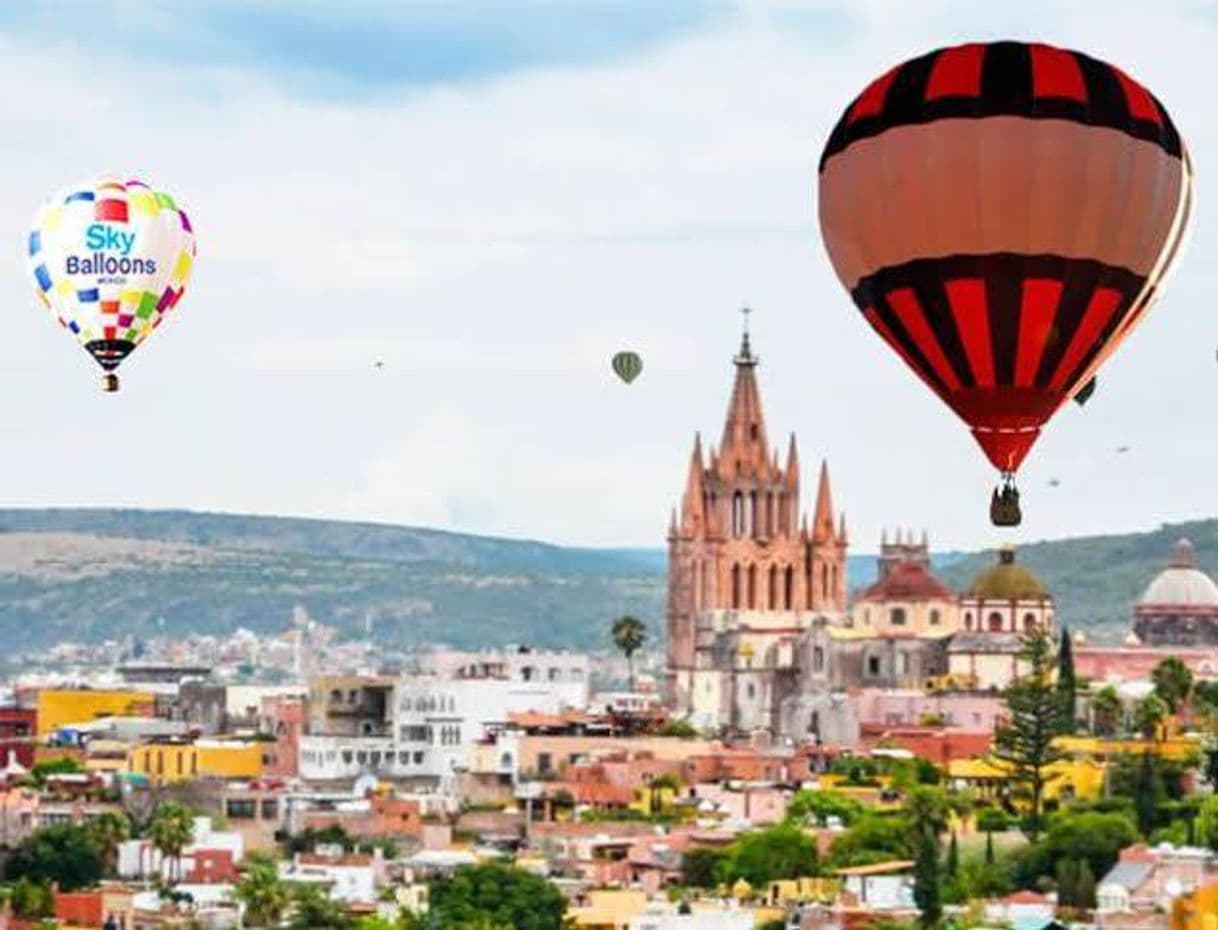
(495, 242)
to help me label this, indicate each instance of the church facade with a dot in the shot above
(755, 582)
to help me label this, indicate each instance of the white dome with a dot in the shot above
(1181, 585)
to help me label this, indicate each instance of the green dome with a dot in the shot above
(1007, 581)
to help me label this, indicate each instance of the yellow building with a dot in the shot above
(1196, 911)
(1176, 748)
(168, 761)
(609, 909)
(61, 707)
(1081, 779)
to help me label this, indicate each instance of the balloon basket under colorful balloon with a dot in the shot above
(1004, 503)
(110, 383)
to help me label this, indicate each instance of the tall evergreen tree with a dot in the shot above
(1067, 682)
(1084, 888)
(1067, 882)
(927, 893)
(1024, 745)
(952, 867)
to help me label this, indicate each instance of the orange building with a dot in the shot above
(741, 544)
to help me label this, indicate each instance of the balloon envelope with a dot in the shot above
(627, 366)
(109, 260)
(1002, 215)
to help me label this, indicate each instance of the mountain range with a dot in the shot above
(92, 574)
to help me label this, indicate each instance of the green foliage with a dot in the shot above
(1024, 745)
(1106, 711)
(1207, 823)
(816, 807)
(32, 900)
(171, 831)
(1148, 716)
(700, 866)
(498, 895)
(678, 729)
(265, 897)
(875, 837)
(310, 838)
(629, 634)
(107, 831)
(1084, 889)
(993, 820)
(61, 765)
(1067, 683)
(65, 855)
(1091, 835)
(763, 856)
(312, 909)
(1173, 682)
(927, 892)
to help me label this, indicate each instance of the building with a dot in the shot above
(1002, 605)
(748, 575)
(171, 760)
(564, 672)
(898, 629)
(61, 707)
(1180, 605)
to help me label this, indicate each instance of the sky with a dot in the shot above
(491, 198)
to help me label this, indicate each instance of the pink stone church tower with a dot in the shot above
(740, 542)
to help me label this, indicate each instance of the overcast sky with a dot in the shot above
(494, 197)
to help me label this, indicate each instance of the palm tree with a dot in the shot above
(1148, 716)
(108, 830)
(1105, 711)
(1173, 682)
(657, 786)
(262, 892)
(629, 634)
(171, 831)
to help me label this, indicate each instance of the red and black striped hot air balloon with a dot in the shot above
(1003, 214)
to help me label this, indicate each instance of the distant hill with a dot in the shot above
(96, 574)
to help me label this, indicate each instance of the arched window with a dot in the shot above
(736, 587)
(788, 588)
(995, 622)
(737, 514)
(784, 525)
(934, 618)
(896, 616)
(769, 514)
(833, 579)
(752, 593)
(1029, 622)
(968, 620)
(754, 529)
(752, 690)
(818, 659)
(824, 582)
(773, 588)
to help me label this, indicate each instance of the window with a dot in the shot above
(818, 659)
(361, 757)
(995, 622)
(241, 809)
(737, 514)
(554, 674)
(896, 616)
(788, 588)
(403, 758)
(505, 761)
(752, 587)
(934, 618)
(751, 690)
(270, 808)
(773, 592)
(418, 758)
(1029, 622)
(545, 762)
(347, 757)
(735, 587)
(336, 696)
(873, 666)
(374, 758)
(968, 620)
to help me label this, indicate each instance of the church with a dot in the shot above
(753, 584)
(760, 634)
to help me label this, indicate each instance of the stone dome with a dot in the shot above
(1181, 585)
(1007, 581)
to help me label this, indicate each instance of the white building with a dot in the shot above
(139, 859)
(566, 673)
(725, 919)
(349, 877)
(434, 724)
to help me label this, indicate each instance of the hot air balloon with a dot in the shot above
(110, 260)
(1084, 393)
(627, 366)
(1003, 215)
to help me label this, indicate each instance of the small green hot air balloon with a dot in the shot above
(627, 366)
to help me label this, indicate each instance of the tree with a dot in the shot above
(629, 634)
(1148, 716)
(763, 856)
(1024, 745)
(1066, 874)
(699, 866)
(108, 830)
(1173, 681)
(656, 788)
(1207, 822)
(1084, 889)
(495, 894)
(32, 900)
(816, 807)
(952, 867)
(65, 855)
(1106, 711)
(171, 831)
(874, 838)
(1067, 683)
(61, 765)
(262, 892)
(926, 891)
(1095, 836)
(312, 909)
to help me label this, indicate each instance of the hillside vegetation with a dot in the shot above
(97, 574)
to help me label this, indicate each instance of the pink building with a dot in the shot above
(909, 707)
(756, 806)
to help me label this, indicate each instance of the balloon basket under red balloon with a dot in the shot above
(1004, 503)
(110, 383)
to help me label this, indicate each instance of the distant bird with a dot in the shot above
(1121, 450)
(378, 364)
(1053, 482)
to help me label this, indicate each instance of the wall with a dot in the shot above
(60, 707)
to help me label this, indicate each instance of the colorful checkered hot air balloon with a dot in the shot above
(627, 366)
(110, 260)
(1003, 215)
